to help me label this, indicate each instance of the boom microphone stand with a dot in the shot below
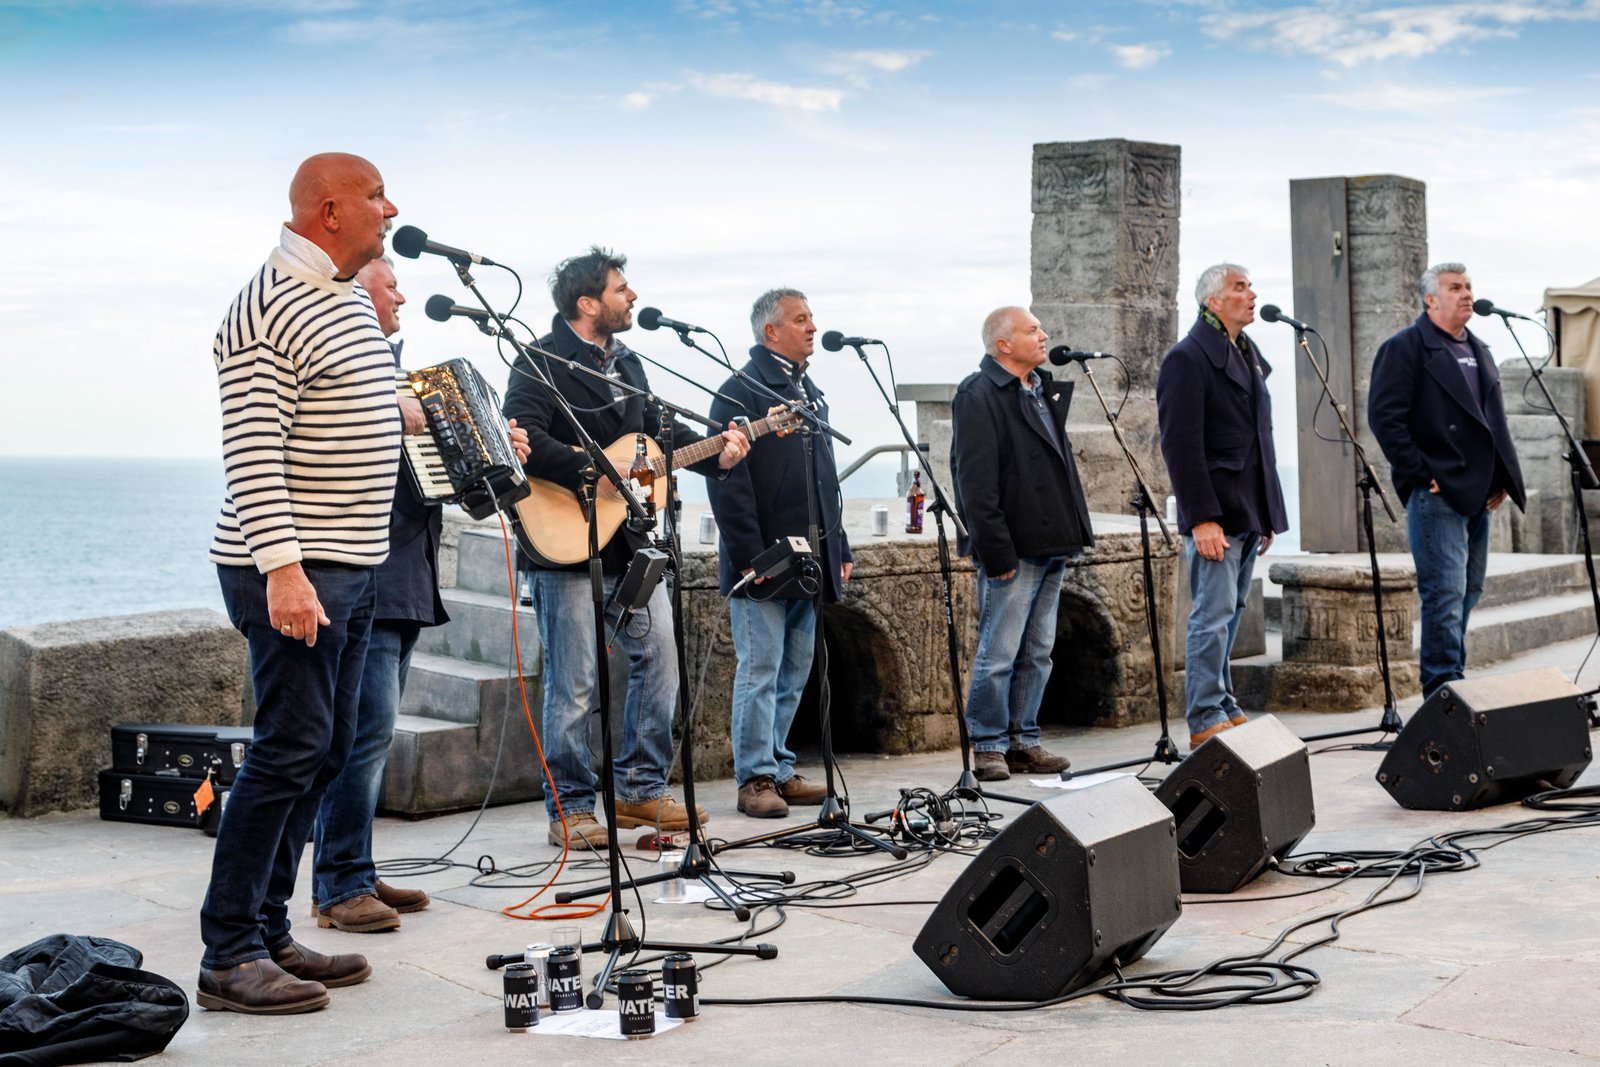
(967, 786)
(1582, 475)
(1144, 503)
(619, 936)
(1368, 484)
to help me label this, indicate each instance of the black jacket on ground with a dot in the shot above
(1216, 434)
(764, 498)
(69, 999)
(1016, 489)
(553, 452)
(1424, 416)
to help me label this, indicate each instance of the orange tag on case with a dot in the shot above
(204, 796)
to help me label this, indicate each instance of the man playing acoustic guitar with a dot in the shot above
(593, 305)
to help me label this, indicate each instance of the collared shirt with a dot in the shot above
(1033, 399)
(605, 359)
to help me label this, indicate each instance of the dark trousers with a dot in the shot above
(306, 700)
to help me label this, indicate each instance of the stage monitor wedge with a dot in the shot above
(1483, 741)
(1074, 882)
(1241, 800)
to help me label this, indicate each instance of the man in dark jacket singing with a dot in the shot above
(1436, 410)
(1216, 438)
(1018, 493)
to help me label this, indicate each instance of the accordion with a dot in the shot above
(465, 457)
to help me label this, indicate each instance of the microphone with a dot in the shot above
(440, 308)
(652, 319)
(1487, 308)
(411, 242)
(833, 340)
(1270, 313)
(1061, 355)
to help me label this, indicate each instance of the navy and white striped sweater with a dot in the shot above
(310, 427)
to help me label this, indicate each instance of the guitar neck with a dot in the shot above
(689, 455)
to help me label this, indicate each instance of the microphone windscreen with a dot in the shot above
(833, 340)
(1270, 313)
(1483, 307)
(1061, 355)
(650, 318)
(439, 307)
(408, 241)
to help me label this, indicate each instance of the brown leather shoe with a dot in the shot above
(1238, 718)
(259, 987)
(1196, 740)
(365, 914)
(583, 831)
(401, 900)
(990, 766)
(759, 799)
(1035, 760)
(663, 813)
(312, 966)
(799, 791)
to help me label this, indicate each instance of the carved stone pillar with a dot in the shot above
(1105, 277)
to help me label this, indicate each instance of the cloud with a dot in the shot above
(1351, 32)
(146, 128)
(1089, 83)
(749, 87)
(1063, 35)
(1140, 56)
(637, 101)
(1416, 99)
(888, 62)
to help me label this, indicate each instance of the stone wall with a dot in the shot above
(1105, 278)
(64, 685)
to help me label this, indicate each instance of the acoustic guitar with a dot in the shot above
(552, 525)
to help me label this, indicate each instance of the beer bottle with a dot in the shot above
(642, 475)
(914, 504)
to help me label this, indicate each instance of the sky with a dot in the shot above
(875, 154)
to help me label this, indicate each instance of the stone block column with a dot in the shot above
(1105, 278)
(1330, 637)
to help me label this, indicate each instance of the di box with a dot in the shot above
(1482, 741)
(157, 799)
(1241, 800)
(1074, 883)
(187, 749)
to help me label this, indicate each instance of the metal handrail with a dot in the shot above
(905, 464)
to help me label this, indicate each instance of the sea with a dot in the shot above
(87, 538)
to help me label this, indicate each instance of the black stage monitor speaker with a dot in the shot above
(1241, 800)
(1072, 883)
(1483, 741)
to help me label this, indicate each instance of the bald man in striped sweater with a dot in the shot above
(311, 444)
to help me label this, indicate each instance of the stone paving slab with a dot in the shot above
(1406, 984)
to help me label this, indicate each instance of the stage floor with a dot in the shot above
(1497, 965)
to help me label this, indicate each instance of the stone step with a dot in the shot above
(1494, 633)
(479, 631)
(1512, 578)
(481, 561)
(458, 690)
(438, 766)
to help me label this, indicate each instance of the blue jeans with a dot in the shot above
(343, 865)
(306, 702)
(774, 641)
(1016, 633)
(1218, 590)
(564, 612)
(1451, 551)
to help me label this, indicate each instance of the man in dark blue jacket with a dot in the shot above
(761, 500)
(1216, 437)
(1435, 408)
(1018, 493)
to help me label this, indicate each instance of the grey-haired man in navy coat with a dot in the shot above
(1436, 410)
(1216, 437)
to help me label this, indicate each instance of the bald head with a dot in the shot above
(337, 202)
(1015, 339)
